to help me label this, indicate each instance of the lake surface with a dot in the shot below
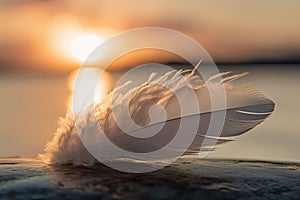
(32, 104)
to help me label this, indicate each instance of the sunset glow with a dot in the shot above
(83, 45)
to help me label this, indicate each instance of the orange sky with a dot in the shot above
(35, 34)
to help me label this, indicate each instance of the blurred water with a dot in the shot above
(31, 105)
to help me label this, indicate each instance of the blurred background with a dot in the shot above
(43, 41)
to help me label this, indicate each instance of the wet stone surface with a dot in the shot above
(186, 179)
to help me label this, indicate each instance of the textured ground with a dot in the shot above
(187, 179)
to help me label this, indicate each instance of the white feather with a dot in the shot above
(246, 108)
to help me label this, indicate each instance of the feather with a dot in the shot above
(246, 108)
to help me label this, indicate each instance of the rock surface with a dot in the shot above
(22, 178)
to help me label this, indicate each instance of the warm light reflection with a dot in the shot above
(89, 74)
(83, 45)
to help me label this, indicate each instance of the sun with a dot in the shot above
(83, 45)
